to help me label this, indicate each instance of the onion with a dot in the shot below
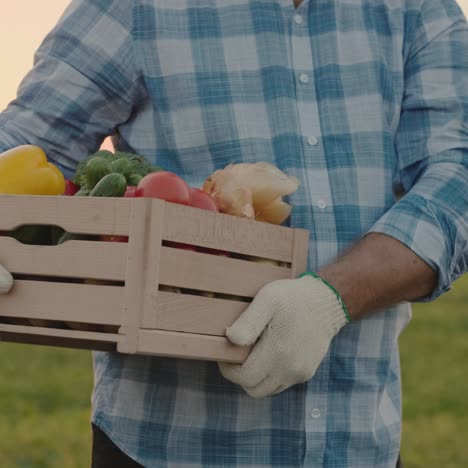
(252, 191)
(275, 212)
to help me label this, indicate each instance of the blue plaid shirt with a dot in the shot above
(353, 97)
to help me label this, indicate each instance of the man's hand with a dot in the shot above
(294, 322)
(6, 281)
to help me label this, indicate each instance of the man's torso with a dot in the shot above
(316, 91)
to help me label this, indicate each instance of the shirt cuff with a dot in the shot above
(431, 220)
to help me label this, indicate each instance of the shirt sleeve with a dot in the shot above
(432, 145)
(83, 84)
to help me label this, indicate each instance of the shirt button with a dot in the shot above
(321, 204)
(312, 140)
(304, 78)
(315, 413)
(298, 19)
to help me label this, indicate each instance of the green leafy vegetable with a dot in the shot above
(139, 165)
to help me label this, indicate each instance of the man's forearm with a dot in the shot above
(379, 272)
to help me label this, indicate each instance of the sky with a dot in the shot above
(23, 24)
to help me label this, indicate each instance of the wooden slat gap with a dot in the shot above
(206, 294)
(59, 332)
(67, 280)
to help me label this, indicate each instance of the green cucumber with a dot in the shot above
(122, 166)
(96, 169)
(111, 185)
(134, 179)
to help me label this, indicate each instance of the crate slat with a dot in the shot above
(74, 214)
(136, 290)
(153, 260)
(189, 346)
(55, 341)
(220, 274)
(85, 303)
(73, 259)
(61, 333)
(225, 232)
(193, 314)
(300, 250)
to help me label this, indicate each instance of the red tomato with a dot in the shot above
(70, 188)
(200, 199)
(165, 186)
(130, 192)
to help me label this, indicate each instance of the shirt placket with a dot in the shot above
(308, 114)
(308, 118)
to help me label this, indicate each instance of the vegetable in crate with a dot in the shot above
(139, 166)
(70, 188)
(134, 180)
(111, 185)
(24, 170)
(200, 199)
(252, 191)
(129, 193)
(95, 170)
(165, 186)
(122, 166)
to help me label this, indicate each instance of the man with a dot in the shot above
(353, 98)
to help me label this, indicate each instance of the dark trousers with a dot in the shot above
(107, 455)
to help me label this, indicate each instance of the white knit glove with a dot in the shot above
(294, 322)
(6, 281)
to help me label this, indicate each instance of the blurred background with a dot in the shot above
(45, 392)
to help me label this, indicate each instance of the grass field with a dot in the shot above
(45, 395)
(434, 351)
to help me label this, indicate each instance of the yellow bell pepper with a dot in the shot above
(24, 170)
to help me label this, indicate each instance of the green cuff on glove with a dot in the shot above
(340, 299)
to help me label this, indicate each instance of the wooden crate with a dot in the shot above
(116, 295)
